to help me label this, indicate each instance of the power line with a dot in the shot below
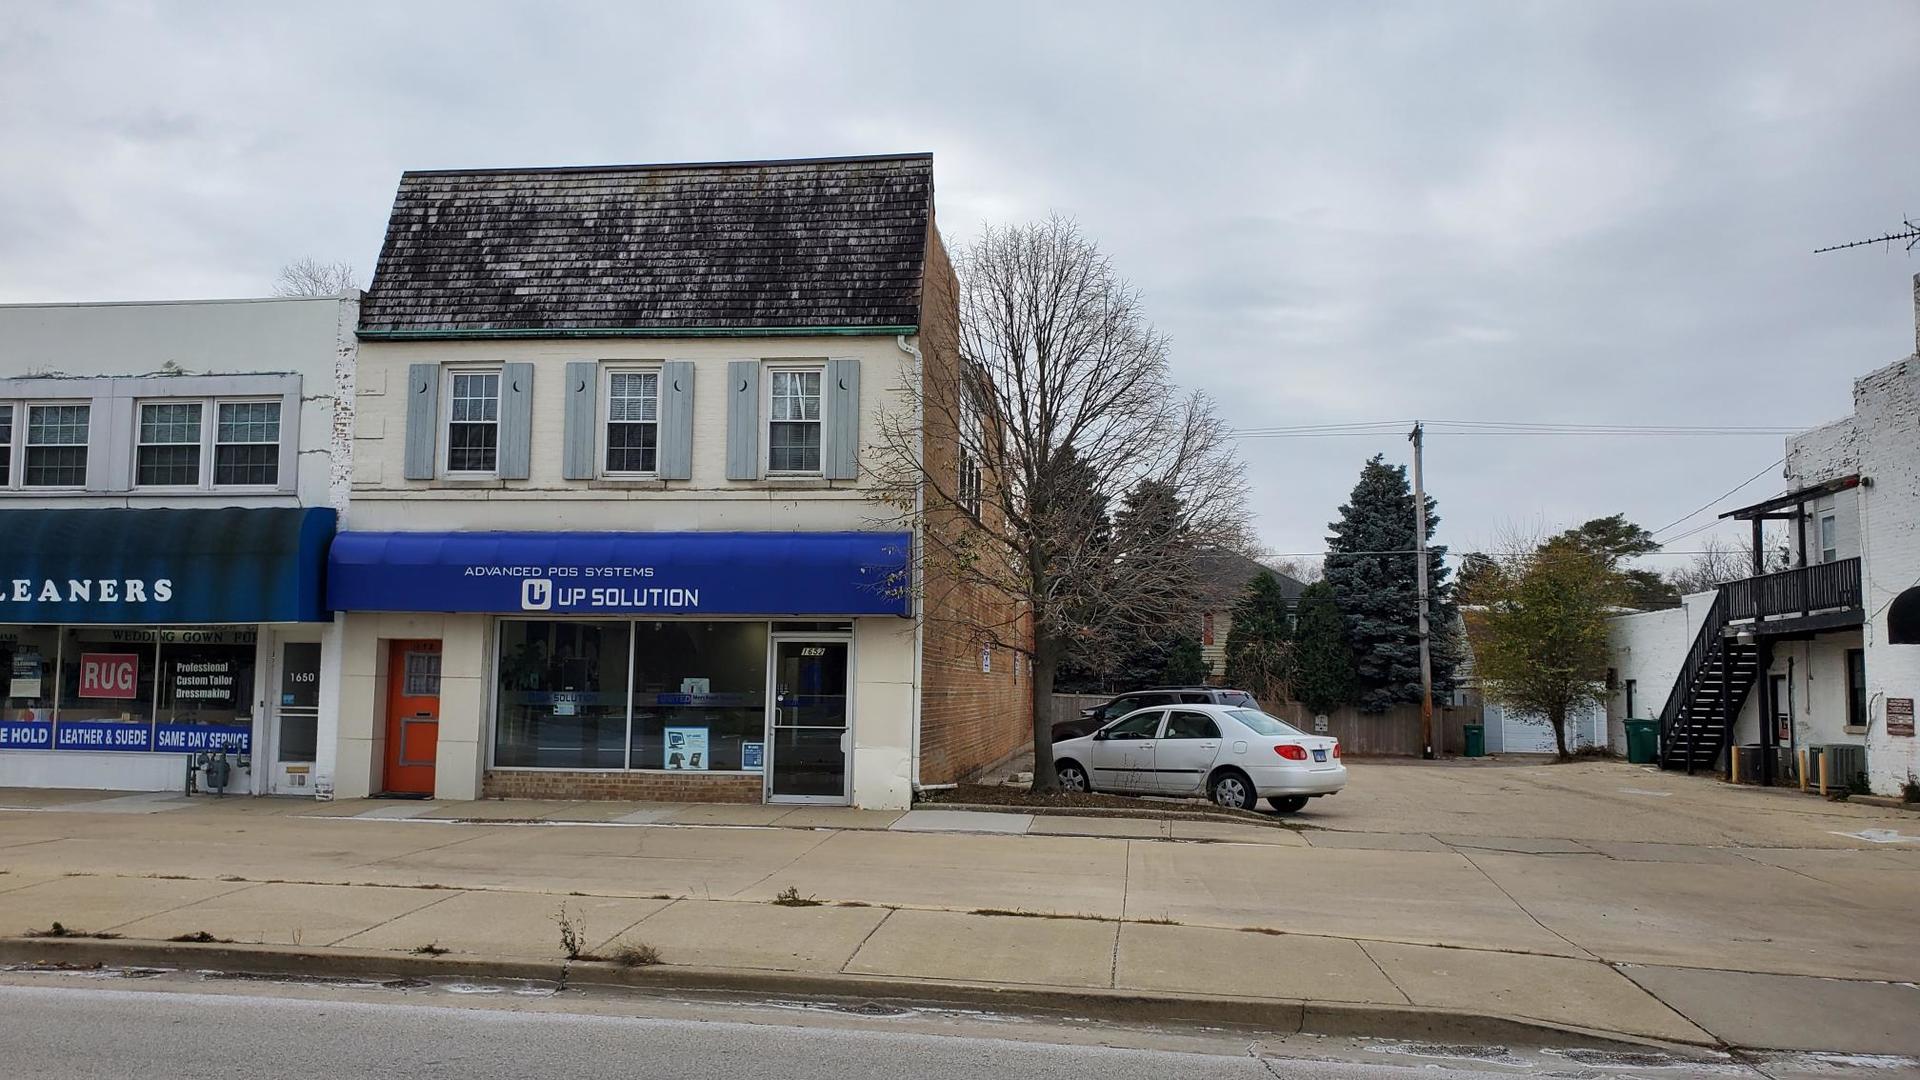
(1710, 504)
(1450, 554)
(1491, 427)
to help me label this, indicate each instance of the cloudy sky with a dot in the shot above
(1592, 213)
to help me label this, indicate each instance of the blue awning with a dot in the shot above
(163, 567)
(618, 573)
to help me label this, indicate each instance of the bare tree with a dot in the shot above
(1060, 405)
(307, 276)
(1305, 569)
(1717, 563)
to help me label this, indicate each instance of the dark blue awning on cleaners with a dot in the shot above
(163, 567)
(770, 573)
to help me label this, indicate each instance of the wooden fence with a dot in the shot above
(1394, 733)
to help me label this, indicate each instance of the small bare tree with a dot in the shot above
(308, 276)
(1059, 406)
(1716, 563)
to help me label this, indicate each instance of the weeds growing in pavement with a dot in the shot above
(1910, 791)
(58, 930)
(573, 932)
(790, 897)
(432, 948)
(201, 937)
(635, 954)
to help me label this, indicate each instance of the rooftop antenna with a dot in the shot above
(1911, 234)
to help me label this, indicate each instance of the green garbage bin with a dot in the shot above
(1643, 741)
(1476, 739)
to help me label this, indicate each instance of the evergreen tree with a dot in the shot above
(1150, 529)
(1371, 567)
(1259, 641)
(1323, 677)
(1089, 665)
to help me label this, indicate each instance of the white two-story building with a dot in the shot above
(170, 477)
(1824, 655)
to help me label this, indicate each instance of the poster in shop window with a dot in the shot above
(24, 681)
(686, 748)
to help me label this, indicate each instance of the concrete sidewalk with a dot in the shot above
(1766, 947)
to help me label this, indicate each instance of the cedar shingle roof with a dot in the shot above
(804, 243)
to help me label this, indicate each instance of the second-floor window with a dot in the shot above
(6, 445)
(473, 421)
(633, 423)
(168, 451)
(972, 440)
(1829, 542)
(246, 443)
(793, 421)
(56, 447)
(176, 447)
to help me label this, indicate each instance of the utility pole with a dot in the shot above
(1420, 576)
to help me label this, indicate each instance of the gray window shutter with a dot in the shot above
(676, 420)
(583, 388)
(743, 420)
(423, 419)
(840, 434)
(516, 421)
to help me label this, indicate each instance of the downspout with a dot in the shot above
(918, 583)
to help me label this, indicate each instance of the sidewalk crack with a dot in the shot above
(1364, 951)
(863, 941)
(1523, 908)
(783, 868)
(238, 888)
(397, 915)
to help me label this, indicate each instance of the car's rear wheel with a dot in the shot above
(1232, 790)
(1073, 777)
(1287, 804)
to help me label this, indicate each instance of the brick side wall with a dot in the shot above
(970, 720)
(637, 786)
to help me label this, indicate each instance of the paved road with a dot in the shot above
(55, 1027)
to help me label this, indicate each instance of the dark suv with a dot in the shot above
(1098, 716)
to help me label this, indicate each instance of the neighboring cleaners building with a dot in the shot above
(170, 475)
(1825, 654)
(614, 530)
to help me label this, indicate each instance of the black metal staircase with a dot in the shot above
(1721, 669)
(1707, 696)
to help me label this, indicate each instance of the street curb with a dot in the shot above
(1273, 1015)
(1257, 820)
(1890, 802)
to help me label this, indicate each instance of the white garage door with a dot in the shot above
(1520, 734)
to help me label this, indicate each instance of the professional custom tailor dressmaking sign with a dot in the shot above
(841, 573)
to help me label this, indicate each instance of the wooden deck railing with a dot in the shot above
(1832, 586)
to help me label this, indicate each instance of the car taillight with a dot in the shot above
(1291, 752)
(1336, 749)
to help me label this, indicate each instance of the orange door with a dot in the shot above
(413, 716)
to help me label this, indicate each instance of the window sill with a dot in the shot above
(1852, 729)
(473, 484)
(636, 483)
(796, 482)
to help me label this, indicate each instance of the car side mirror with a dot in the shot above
(1100, 736)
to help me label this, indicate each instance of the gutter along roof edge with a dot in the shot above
(637, 332)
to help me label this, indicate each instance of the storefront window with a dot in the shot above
(698, 700)
(699, 695)
(27, 658)
(206, 690)
(106, 689)
(563, 695)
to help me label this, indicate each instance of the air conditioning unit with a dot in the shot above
(1845, 761)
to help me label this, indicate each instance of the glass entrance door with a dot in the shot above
(810, 731)
(296, 713)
